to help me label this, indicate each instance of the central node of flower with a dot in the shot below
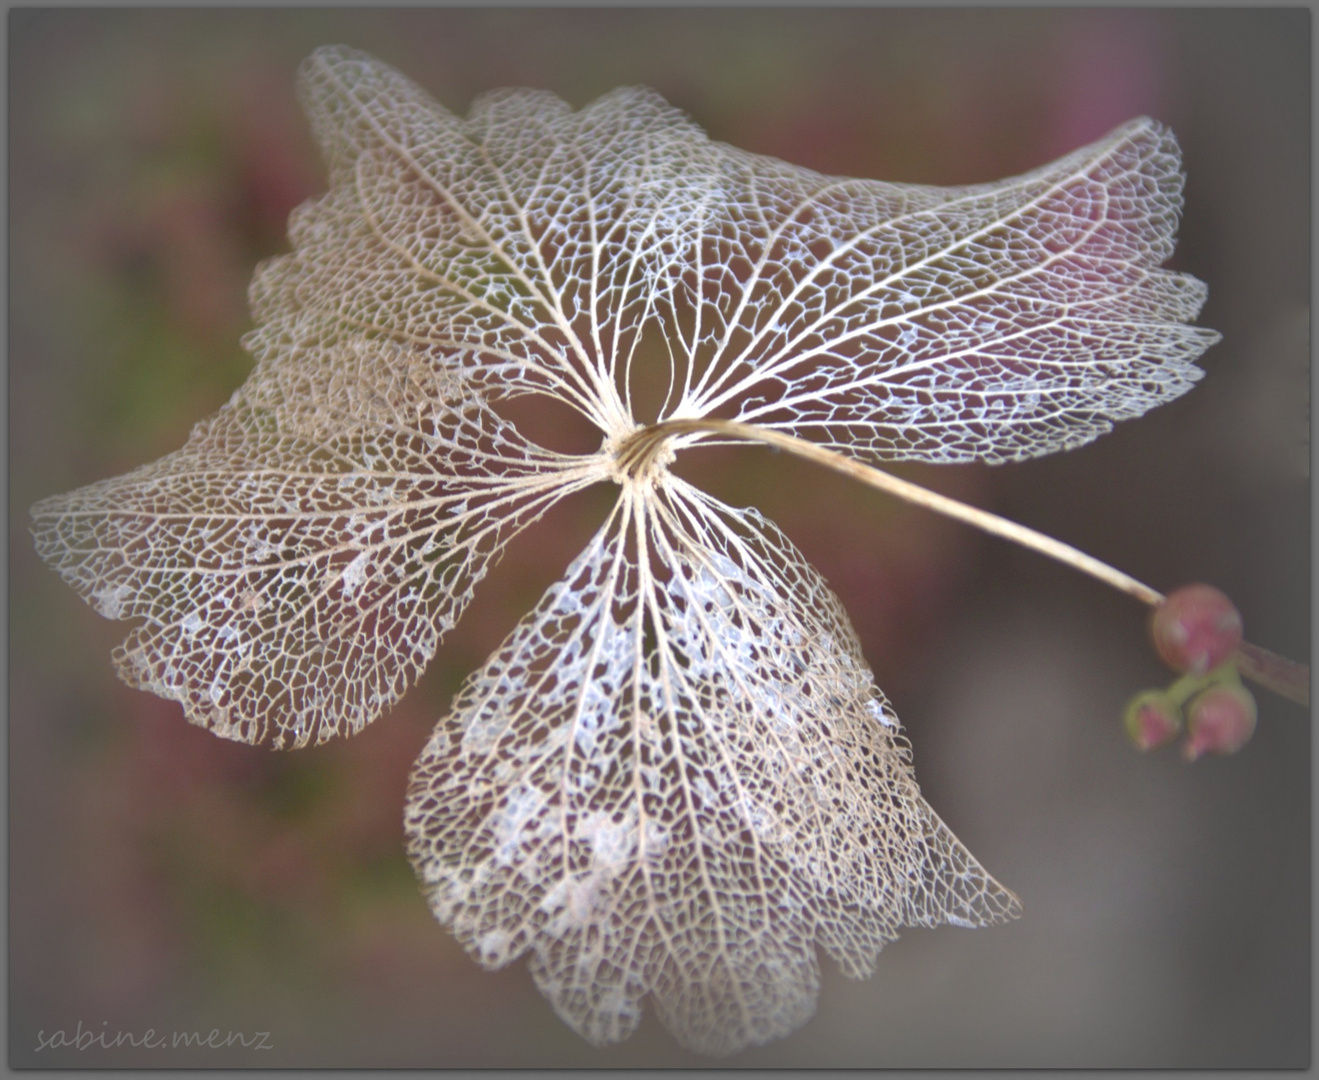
(640, 456)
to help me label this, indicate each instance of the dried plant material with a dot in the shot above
(676, 777)
(297, 561)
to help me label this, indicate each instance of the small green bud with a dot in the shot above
(1152, 719)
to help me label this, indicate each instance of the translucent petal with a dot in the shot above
(296, 563)
(580, 253)
(995, 322)
(675, 779)
(527, 243)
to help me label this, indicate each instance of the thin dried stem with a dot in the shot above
(914, 493)
(1284, 677)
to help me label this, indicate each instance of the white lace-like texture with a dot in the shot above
(676, 778)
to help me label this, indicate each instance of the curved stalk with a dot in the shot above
(1284, 677)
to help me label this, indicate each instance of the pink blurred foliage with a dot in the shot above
(1109, 68)
(201, 265)
(827, 135)
(282, 868)
(226, 170)
(275, 165)
(131, 921)
(900, 573)
(364, 819)
(181, 810)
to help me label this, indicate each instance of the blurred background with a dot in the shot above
(162, 878)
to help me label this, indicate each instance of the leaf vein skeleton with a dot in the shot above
(609, 415)
(733, 667)
(774, 365)
(675, 779)
(603, 603)
(647, 593)
(579, 396)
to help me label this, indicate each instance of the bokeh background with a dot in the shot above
(161, 878)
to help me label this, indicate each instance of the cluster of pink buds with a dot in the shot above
(1196, 630)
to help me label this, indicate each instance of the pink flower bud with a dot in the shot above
(1196, 629)
(1152, 719)
(1219, 721)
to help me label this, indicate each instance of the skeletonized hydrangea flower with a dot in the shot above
(676, 777)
